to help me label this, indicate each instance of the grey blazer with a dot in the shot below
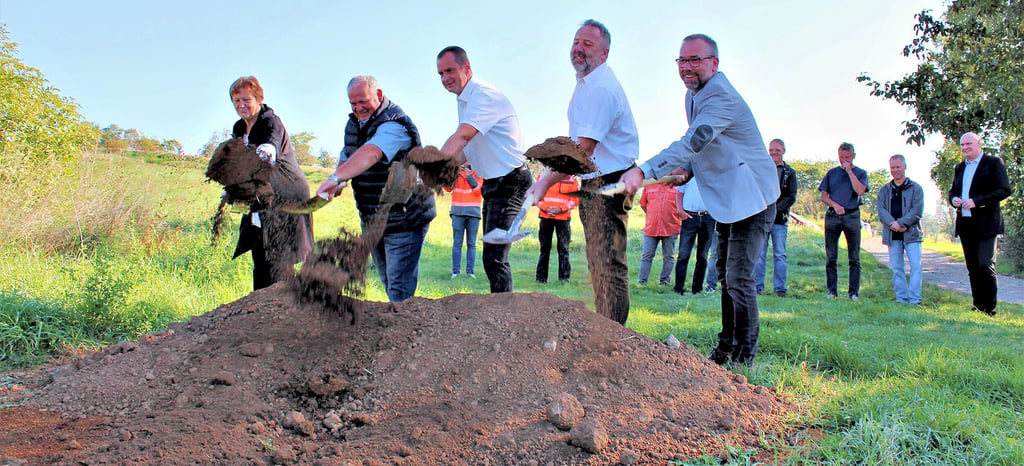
(724, 151)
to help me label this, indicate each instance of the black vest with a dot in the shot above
(367, 187)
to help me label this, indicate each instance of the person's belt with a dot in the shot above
(697, 214)
(848, 211)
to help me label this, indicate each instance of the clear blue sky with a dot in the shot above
(164, 68)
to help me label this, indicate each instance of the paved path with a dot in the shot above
(948, 273)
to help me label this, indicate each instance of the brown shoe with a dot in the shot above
(720, 357)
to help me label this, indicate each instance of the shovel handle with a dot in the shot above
(528, 202)
(616, 188)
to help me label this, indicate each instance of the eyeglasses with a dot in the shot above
(693, 61)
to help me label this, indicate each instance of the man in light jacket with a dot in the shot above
(900, 204)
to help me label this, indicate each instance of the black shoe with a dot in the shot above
(720, 357)
(781, 294)
(988, 312)
(679, 292)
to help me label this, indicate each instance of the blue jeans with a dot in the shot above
(464, 227)
(397, 260)
(778, 238)
(739, 244)
(699, 228)
(668, 257)
(712, 272)
(848, 225)
(906, 292)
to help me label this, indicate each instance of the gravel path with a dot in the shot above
(948, 273)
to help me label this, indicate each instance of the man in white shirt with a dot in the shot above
(488, 137)
(601, 123)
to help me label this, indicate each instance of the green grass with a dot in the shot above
(874, 382)
(954, 251)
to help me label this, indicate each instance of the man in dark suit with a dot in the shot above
(737, 179)
(979, 184)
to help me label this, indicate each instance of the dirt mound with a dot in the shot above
(436, 169)
(561, 154)
(467, 379)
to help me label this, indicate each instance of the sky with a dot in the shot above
(164, 68)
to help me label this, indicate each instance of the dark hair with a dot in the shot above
(247, 83)
(458, 52)
(607, 36)
(780, 141)
(707, 40)
(847, 147)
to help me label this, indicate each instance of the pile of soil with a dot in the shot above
(468, 379)
(563, 155)
(436, 169)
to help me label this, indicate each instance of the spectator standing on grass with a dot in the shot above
(788, 185)
(377, 135)
(276, 240)
(465, 214)
(488, 136)
(737, 180)
(979, 185)
(696, 227)
(601, 123)
(841, 190)
(900, 205)
(661, 227)
(555, 217)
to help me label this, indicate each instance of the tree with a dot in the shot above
(327, 159)
(300, 144)
(970, 78)
(215, 140)
(41, 132)
(172, 146)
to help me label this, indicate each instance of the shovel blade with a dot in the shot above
(500, 236)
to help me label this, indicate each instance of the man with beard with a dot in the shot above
(737, 179)
(601, 123)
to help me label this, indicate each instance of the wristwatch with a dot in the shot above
(334, 178)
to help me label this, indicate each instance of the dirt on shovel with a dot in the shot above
(563, 155)
(436, 169)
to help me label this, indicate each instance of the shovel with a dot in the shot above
(312, 204)
(513, 234)
(402, 178)
(616, 188)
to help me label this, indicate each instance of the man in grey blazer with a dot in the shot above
(737, 179)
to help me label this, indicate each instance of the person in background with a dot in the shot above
(379, 134)
(900, 204)
(661, 227)
(698, 227)
(789, 185)
(276, 240)
(488, 136)
(841, 190)
(555, 217)
(980, 183)
(465, 214)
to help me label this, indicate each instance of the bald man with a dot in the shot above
(979, 184)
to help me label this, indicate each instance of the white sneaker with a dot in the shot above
(454, 275)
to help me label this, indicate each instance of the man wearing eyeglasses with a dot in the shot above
(601, 123)
(738, 181)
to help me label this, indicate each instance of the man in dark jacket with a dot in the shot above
(379, 134)
(780, 228)
(979, 184)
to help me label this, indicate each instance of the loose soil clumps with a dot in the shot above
(561, 154)
(436, 169)
(467, 379)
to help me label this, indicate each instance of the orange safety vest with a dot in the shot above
(558, 195)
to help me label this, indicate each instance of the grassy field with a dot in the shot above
(876, 382)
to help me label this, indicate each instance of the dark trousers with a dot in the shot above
(604, 226)
(699, 228)
(848, 225)
(739, 246)
(979, 255)
(563, 232)
(503, 196)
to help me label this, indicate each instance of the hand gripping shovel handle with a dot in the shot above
(616, 188)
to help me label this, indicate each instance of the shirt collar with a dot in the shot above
(593, 74)
(471, 86)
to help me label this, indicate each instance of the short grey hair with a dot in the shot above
(712, 45)
(899, 157)
(605, 35)
(847, 147)
(970, 133)
(781, 143)
(371, 82)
